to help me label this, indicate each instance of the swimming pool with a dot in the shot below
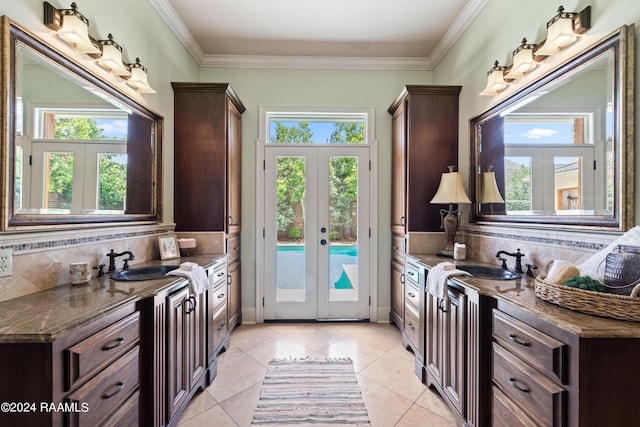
(290, 265)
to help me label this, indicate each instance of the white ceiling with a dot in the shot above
(382, 34)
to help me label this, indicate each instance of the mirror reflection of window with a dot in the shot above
(517, 171)
(567, 182)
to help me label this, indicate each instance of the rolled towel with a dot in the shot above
(563, 274)
(556, 266)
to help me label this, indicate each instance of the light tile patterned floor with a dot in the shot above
(392, 392)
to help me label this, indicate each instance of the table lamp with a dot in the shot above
(450, 192)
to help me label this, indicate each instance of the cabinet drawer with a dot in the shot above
(99, 349)
(412, 273)
(533, 346)
(127, 415)
(398, 247)
(538, 396)
(219, 296)
(105, 393)
(233, 247)
(411, 325)
(219, 326)
(412, 293)
(217, 274)
(505, 413)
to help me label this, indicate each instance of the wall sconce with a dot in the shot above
(563, 29)
(452, 192)
(138, 79)
(495, 80)
(71, 26)
(111, 57)
(523, 61)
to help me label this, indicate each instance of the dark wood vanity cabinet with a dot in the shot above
(94, 371)
(208, 171)
(217, 325)
(186, 326)
(424, 141)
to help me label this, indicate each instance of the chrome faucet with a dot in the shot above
(517, 255)
(112, 259)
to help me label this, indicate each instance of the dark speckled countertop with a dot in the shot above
(44, 316)
(521, 293)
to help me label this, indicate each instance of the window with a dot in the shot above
(317, 128)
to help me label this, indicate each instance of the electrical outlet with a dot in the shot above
(6, 261)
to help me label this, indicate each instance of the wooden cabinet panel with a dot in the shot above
(234, 296)
(104, 393)
(399, 168)
(506, 414)
(542, 399)
(234, 171)
(538, 349)
(397, 294)
(83, 358)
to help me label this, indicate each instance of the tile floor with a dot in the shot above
(392, 392)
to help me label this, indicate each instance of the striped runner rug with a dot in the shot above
(310, 392)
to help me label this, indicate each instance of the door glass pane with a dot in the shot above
(112, 181)
(566, 182)
(343, 228)
(290, 216)
(517, 173)
(58, 181)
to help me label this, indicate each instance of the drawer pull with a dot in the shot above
(117, 343)
(222, 273)
(515, 339)
(220, 296)
(411, 273)
(221, 327)
(411, 294)
(118, 387)
(512, 381)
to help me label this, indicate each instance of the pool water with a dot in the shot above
(291, 266)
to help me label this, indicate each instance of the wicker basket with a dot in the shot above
(590, 302)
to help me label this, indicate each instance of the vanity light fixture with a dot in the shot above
(495, 80)
(523, 61)
(111, 57)
(138, 79)
(450, 192)
(564, 29)
(71, 26)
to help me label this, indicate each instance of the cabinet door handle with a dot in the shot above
(512, 381)
(402, 221)
(116, 343)
(194, 301)
(230, 219)
(402, 278)
(441, 306)
(515, 339)
(118, 388)
(229, 279)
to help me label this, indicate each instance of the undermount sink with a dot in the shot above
(487, 272)
(143, 273)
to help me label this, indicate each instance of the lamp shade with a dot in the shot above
(111, 58)
(495, 80)
(451, 190)
(560, 33)
(74, 30)
(523, 61)
(138, 79)
(490, 192)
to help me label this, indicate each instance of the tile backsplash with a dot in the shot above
(41, 261)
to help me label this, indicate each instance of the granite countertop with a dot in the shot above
(521, 293)
(47, 315)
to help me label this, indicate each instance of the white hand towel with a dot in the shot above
(437, 279)
(198, 281)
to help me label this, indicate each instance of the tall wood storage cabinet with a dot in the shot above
(208, 170)
(424, 141)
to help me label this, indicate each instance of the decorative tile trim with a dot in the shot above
(591, 242)
(27, 243)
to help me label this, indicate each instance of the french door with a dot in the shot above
(316, 232)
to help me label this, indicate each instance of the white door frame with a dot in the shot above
(263, 136)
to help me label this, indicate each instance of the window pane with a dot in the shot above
(566, 182)
(59, 180)
(291, 130)
(112, 181)
(517, 172)
(548, 129)
(290, 216)
(84, 125)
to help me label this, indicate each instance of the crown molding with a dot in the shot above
(458, 27)
(316, 62)
(173, 20)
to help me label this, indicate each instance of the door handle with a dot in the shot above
(323, 242)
